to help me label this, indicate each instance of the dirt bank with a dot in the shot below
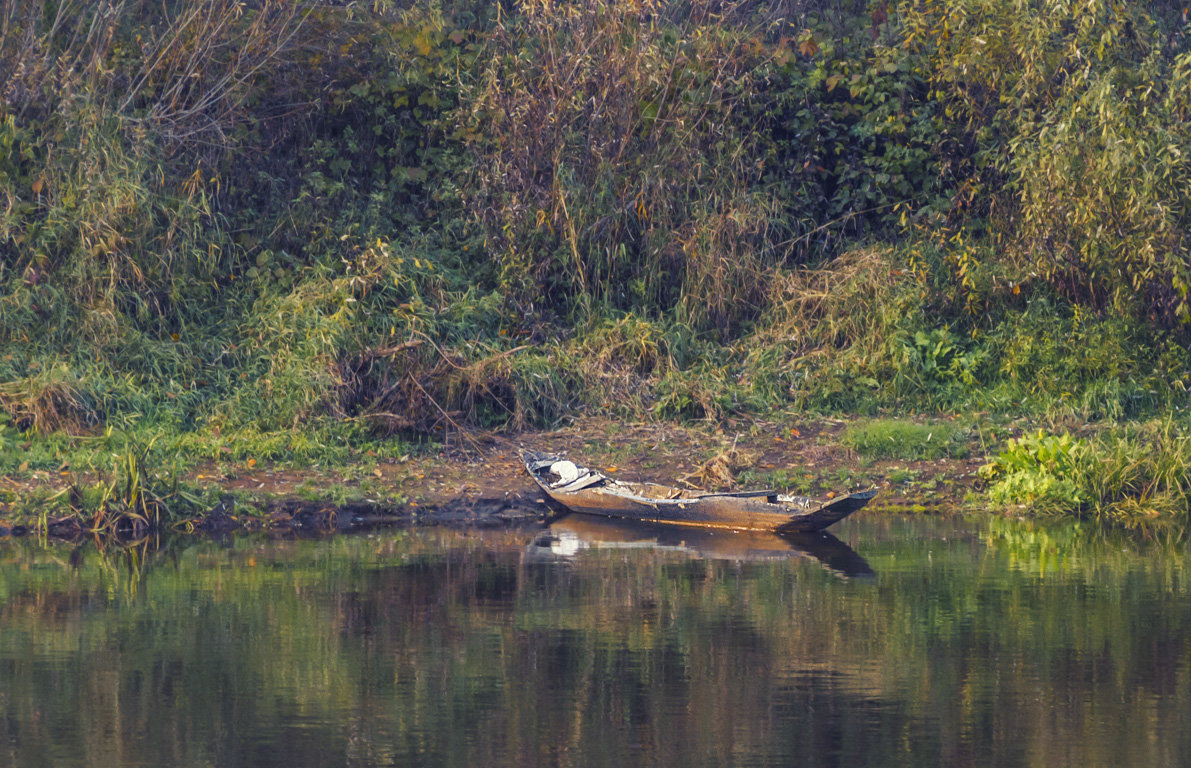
(478, 478)
(806, 457)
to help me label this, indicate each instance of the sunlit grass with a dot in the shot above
(907, 440)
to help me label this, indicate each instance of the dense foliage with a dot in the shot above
(227, 215)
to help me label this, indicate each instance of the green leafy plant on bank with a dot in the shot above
(1039, 470)
(1129, 476)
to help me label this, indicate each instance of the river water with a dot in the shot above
(927, 641)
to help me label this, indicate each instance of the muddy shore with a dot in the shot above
(478, 479)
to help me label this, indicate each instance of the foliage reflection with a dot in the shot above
(434, 647)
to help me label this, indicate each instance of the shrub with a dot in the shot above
(615, 161)
(1039, 470)
(1130, 476)
(1105, 192)
(1071, 140)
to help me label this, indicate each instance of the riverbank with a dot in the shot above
(348, 278)
(478, 478)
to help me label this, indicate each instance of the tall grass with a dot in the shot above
(615, 161)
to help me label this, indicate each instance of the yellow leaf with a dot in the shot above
(422, 43)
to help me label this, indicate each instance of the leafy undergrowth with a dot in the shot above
(382, 226)
(1134, 476)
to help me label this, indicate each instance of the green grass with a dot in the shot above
(907, 440)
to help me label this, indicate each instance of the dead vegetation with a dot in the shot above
(53, 401)
(719, 472)
(820, 310)
(418, 387)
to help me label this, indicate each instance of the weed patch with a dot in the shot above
(1132, 476)
(906, 440)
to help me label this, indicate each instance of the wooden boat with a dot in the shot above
(589, 491)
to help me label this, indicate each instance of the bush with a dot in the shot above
(1105, 192)
(1071, 140)
(1132, 476)
(616, 161)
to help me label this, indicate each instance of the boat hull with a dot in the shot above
(757, 511)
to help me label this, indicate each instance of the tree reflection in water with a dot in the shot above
(996, 646)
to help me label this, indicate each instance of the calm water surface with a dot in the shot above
(910, 642)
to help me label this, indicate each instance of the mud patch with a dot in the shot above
(504, 511)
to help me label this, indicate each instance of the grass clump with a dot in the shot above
(906, 440)
(52, 400)
(133, 494)
(136, 499)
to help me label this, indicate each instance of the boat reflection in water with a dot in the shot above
(570, 534)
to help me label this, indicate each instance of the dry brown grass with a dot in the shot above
(832, 306)
(719, 472)
(49, 402)
(419, 387)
